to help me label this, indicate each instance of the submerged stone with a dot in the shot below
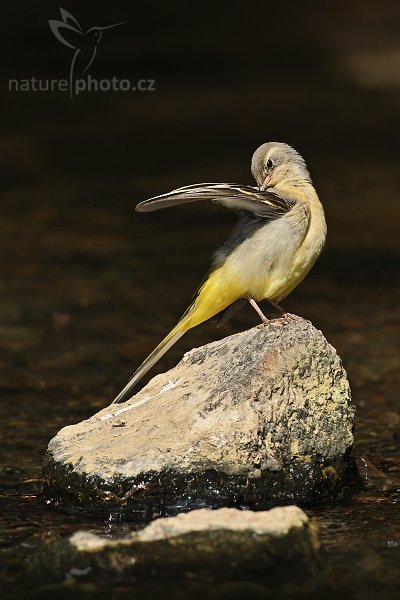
(224, 535)
(258, 418)
(202, 539)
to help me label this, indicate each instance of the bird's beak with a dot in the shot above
(111, 26)
(265, 183)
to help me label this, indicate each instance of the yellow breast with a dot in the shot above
(271, 263)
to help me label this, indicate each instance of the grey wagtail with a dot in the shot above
(280, 234)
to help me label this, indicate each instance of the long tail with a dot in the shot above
(213, 297)
(151, 360)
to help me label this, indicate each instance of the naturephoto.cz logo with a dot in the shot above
(84, 45)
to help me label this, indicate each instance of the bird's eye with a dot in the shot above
(270, 164)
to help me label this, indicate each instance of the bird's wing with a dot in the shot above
(269, 204)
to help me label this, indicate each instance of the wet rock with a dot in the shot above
(282, 532)
(202, 538)
(374, 478)
(258, 418)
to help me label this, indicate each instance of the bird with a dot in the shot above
(70, 33)
(280, 233)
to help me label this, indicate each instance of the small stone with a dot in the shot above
(203, 540)
(219, 535)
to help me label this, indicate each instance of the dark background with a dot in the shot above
(229, 76)
(89, 287)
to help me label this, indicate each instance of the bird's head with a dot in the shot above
(277, 163)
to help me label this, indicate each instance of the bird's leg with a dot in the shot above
(258, 310)
(283, 311)
(278, 308)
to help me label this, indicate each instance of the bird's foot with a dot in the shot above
(283, 314)
(289, 317)
(264, 320)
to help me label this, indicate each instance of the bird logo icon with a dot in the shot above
(84, 43)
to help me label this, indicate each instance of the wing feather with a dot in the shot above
(269, 204)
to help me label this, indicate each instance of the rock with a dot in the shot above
(226, 534)
(203, 538)
(258, 418)
(372, 477)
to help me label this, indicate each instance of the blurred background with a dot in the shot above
(89, 287)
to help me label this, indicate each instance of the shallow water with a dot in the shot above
(89, 287)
